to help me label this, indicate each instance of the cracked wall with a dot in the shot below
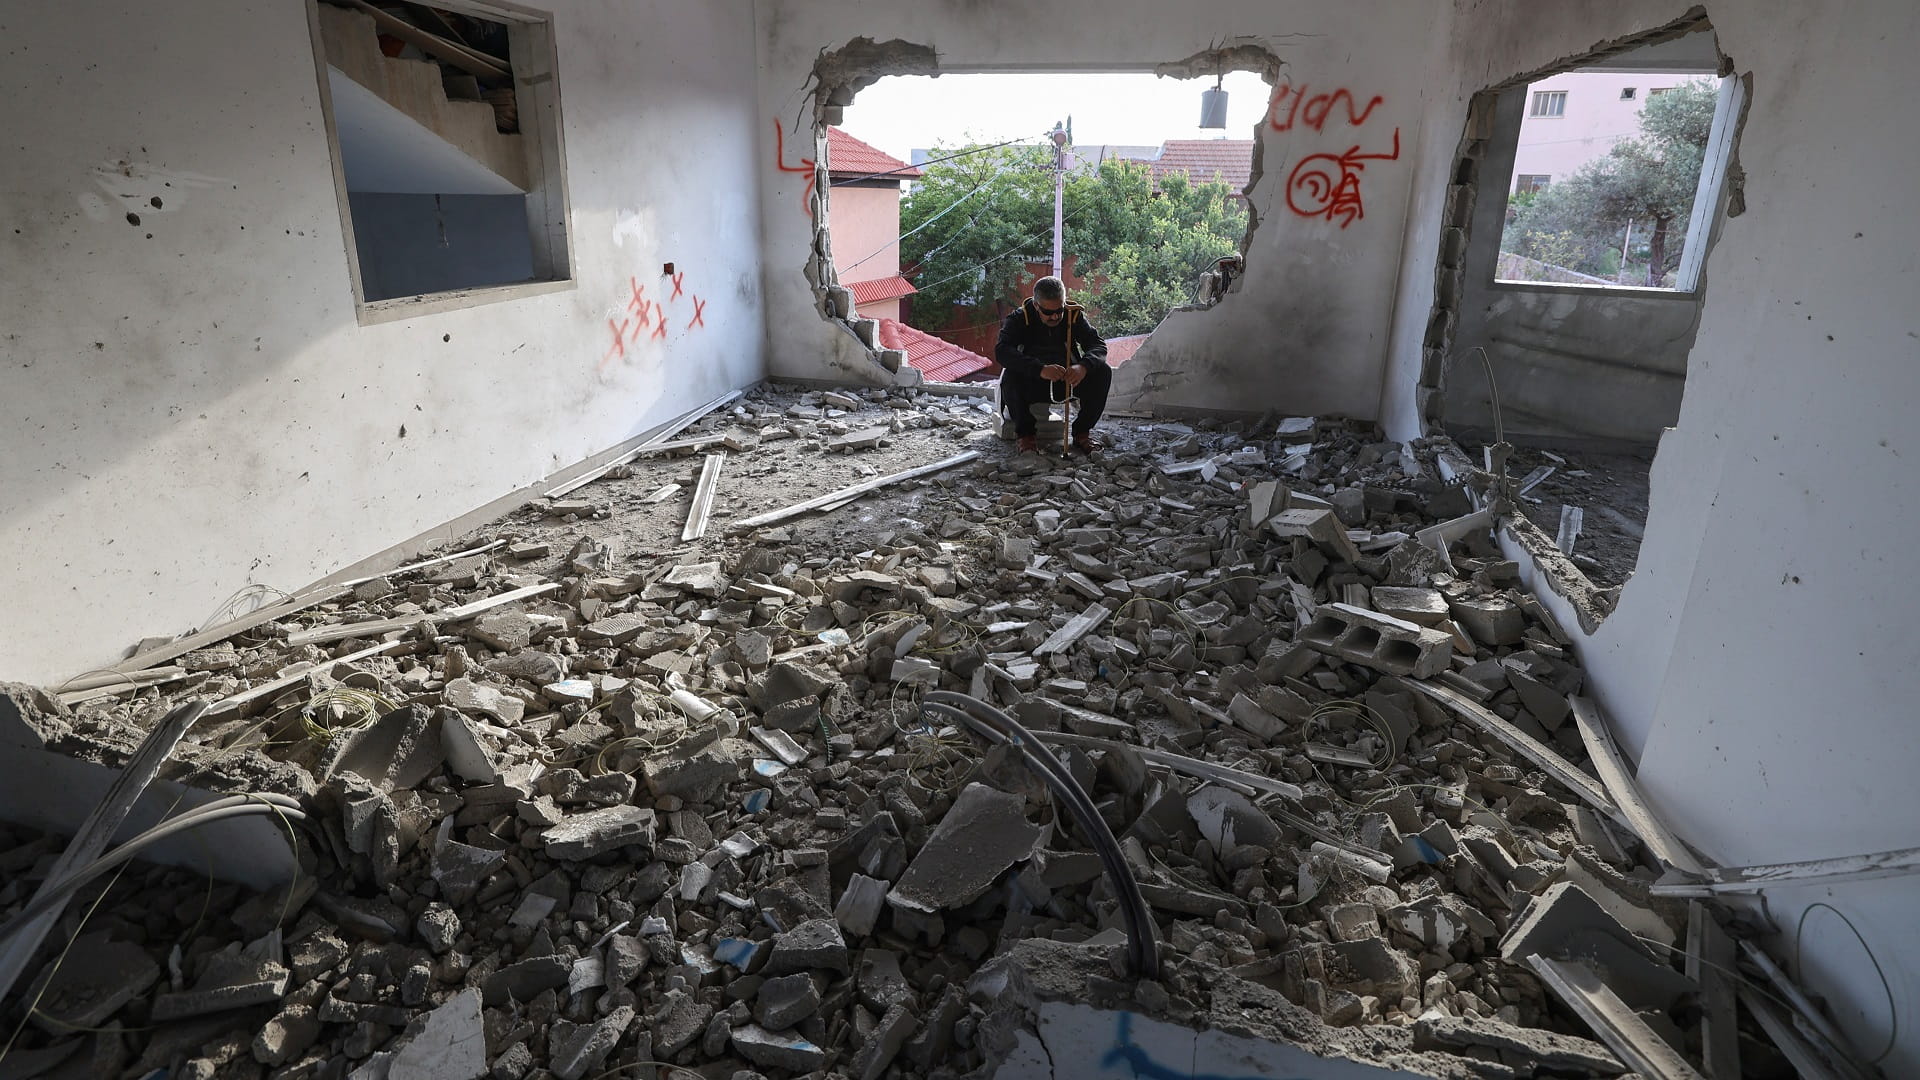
(1748, 664)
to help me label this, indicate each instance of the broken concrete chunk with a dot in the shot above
(814, 945)
(452, 1045)
(1530, 1051)
(694, 776)
(704, 578)
(96, 977)
(775, 1051)
(1423, 607)
(472, 697)
(985, 832)
(860, 905)
(524, 980)
(578, 1052)
(583, 836)
(783, 1002)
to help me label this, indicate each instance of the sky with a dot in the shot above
(902, 112)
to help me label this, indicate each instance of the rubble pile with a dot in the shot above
(685, 810)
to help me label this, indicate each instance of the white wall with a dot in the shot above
(190, 404)
(1760, 662)
(1307, 333)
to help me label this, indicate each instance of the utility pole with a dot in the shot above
(1059, 135)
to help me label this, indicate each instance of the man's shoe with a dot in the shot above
(1029, 444)
(1084, 444)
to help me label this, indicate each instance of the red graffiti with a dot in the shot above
(677, 280)
(1328, 185)
(642, 308)
(807, 165)
(699, 306)
(619, 348)
(660, 329)
(1314, 111)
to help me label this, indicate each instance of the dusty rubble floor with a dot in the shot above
(621, 850)
(1611, 489)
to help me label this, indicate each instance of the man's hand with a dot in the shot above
(1076, 373)
(1053, 373)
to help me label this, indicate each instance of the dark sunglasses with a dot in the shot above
(1048, 313)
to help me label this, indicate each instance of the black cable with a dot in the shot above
(1142, 935)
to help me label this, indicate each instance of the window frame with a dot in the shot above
(534, 57)
(1629, 93)
(1520, 185)
(1542, 98)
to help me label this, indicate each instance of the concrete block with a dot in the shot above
(1377, 641)
(1490, 619)
(1566, 923)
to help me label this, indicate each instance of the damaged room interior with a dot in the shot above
(541, 548)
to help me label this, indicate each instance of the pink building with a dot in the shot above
(864, 211)
(1574, 118)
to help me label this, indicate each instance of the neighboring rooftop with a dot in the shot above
(1204, 160)
(938, 360)
(886, 288)
(848, 156)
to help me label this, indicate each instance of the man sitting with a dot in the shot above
(1049, 340)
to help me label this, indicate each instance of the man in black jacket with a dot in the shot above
(1049, 340)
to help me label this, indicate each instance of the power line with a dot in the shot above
(950, 208)
(929, 161)
(1002, 255)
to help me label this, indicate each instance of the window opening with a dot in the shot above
(1629, 175)
(444, 124)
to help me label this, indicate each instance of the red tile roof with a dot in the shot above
(848, 156)
(1121, 349)
(1202, 159)
(939, 361)
(886, 288)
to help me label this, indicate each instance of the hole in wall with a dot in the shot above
(937, 204)
(1574, 187)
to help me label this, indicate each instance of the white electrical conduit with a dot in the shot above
(250, 805)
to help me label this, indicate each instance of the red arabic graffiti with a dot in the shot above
(1326, 185)
(1315, 110)
(807, 165)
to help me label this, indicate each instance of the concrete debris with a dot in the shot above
(682, 809)
(984, 833)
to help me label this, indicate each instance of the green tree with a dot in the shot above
(1649, 180)
(1174, 239)
(969, 222)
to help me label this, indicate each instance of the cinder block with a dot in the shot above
(1373, 640)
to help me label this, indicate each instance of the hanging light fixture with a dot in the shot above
(1213, 105)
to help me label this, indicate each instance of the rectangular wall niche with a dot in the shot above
(444, 123)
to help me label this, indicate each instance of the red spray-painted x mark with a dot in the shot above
(699, 306)
(660, 328)
(619, 342)
(677, 280)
